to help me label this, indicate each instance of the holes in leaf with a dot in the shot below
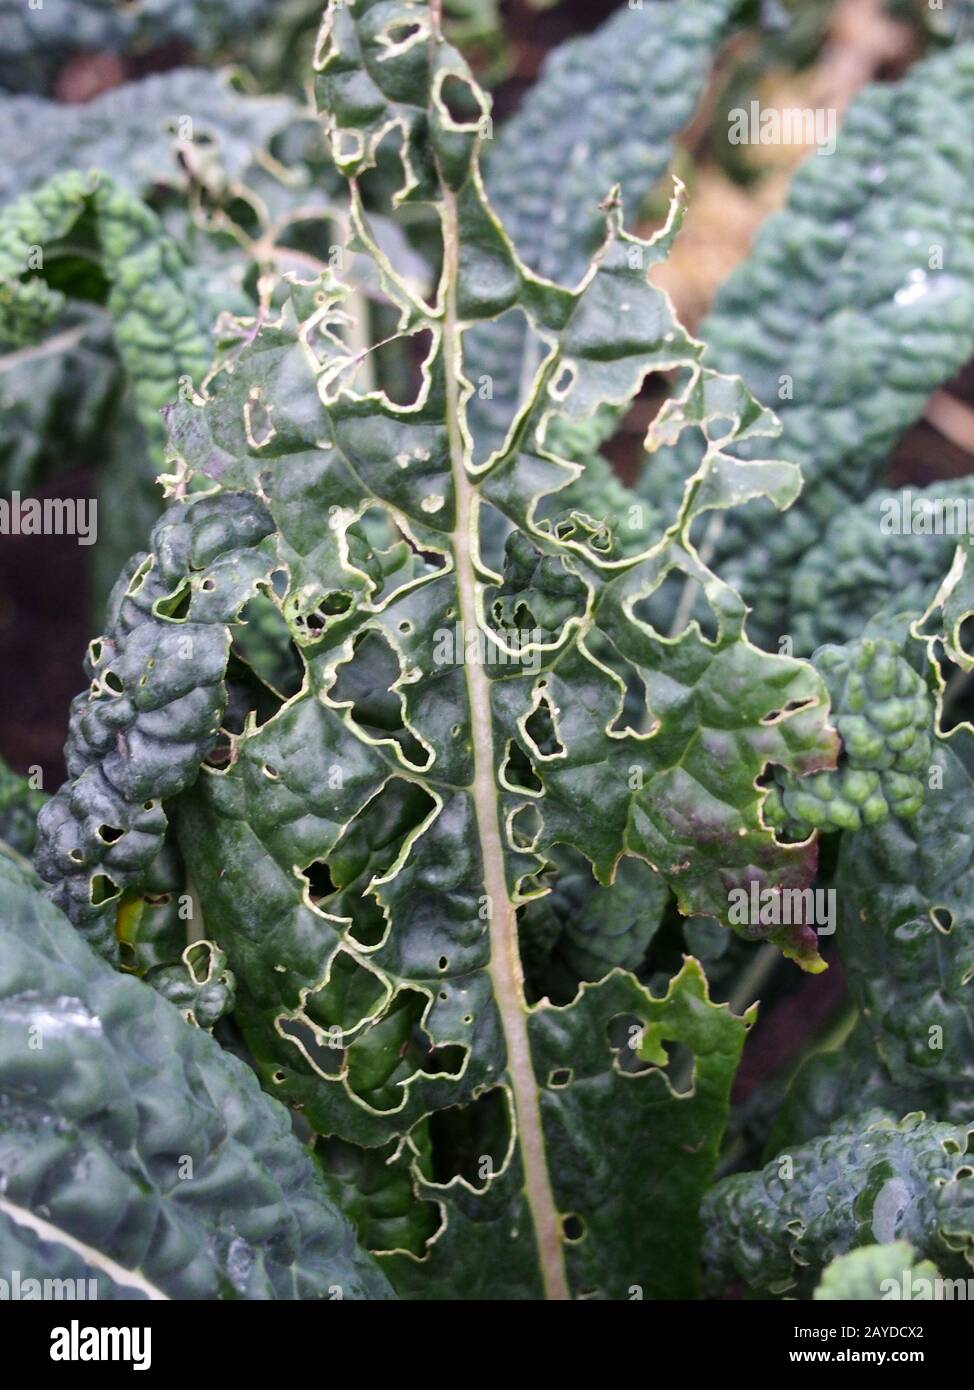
(958, 704)
(792, 707)
(573, 1228)
(366, 681)
(308, 625)
(460, 99)
(785, 834)
(446, 1060)
(175, 606)
(396, 366)
(517, 770)
(319, 880)
(263, 640)
(671, 606)
(965, 635)
(351, 994)
(324, 1053)
(367, 850)
(200, 960)
(258, 424)
(347, 146)
(388, 1215)
(248, 697)
(493, 529)
(139, 577)
(471, 1141)
(382, 551)
(400, 31)
(389, 1053)
(563, 384)
(220, 756)
(680, 1067)
(625, 1034)
(942, 918)
(491, 417)
(560, 1078)
(526, 825)
(103, 890)
(720, 428)
(540, 729)
(629, 1036)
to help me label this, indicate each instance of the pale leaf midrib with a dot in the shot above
(96, 1259)
(505, 964)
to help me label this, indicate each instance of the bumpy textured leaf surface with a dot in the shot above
(869, 1184)
(364, 848)
(884, 714)
(164, 129)
(110, 1102)
(35, 40)
(605, 110)
(861, 566)
(185, 139)
(906, 935)
(201, 986)
(157, 329)
(858, 300)
(154, 708)
(861, 1275)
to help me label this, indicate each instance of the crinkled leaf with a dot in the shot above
(906, 934)
(157, 330)
(856, 303)
(863, 1275)
(364, 848)
(201, 986)
(154, 708)
(890, 551)
(606, 110)
(884, 714)
(870, 1183)
(167, 129)
(134, 1151)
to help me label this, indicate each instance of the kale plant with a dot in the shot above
(437, 782)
